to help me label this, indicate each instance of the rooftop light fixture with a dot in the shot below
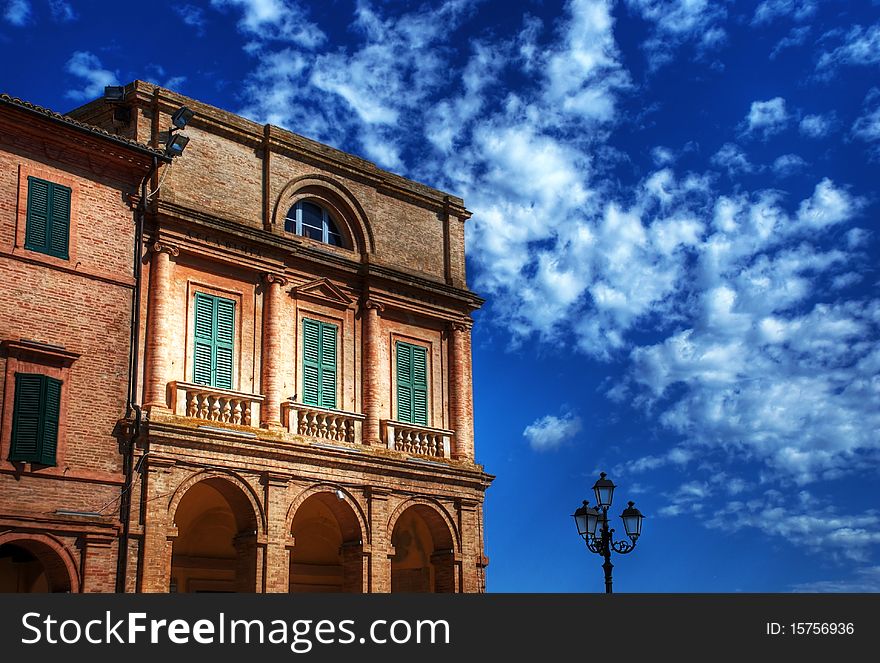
(114, 92)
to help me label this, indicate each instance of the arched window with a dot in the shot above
(310, 220)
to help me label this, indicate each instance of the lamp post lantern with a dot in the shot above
(588, 519)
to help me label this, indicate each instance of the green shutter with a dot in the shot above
(26, 417)
(60, 223)
(48, 218)
(214, 342)
(204, 339)
(420, 385)
(404, 382)
(328, 365)
(36, 237)
(412, 384)
(224, 339)
(51, 412)
(319, 363)
(35, 418)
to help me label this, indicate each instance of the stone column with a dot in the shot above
(277, 578)
(157, 363)
(380, 559)
(159, 533)
(370, 390)
(461, 408)
(270, 410)
(98, 563)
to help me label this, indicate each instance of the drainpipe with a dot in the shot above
(131, 405)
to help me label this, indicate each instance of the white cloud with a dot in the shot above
(732, 159)
(62, 11)
(806, 524)
(280, 20)
(815, 126)
(767, 117)
(551, 432)
(787, 165)
(867, 126)
(87, 66)
(677, 22)
(865, 580)
(860, 47)
(827, 206)
(18, 12)
(192, 16)
(769, 10)
(796, 37)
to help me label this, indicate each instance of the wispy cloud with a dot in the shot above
(17, 12)
(62, 11)
(275, 20)
(551, 432)
(864, 580)
(678, 22)
(192, 16)
(771, 10)
(816, 126)
(88, 67)
(860, 47)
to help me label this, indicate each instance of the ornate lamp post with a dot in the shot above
(588, 519)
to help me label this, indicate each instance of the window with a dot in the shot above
(319, 363)
(214, 341)
(312, 221)
(412, 383)
(48, 218)
(35, 418)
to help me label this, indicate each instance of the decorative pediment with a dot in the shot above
(322, 291)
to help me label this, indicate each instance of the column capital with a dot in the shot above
(269, 278)
(162, 247)
(368, 303)
(463, 325)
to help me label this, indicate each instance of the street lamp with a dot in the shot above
(588, 519)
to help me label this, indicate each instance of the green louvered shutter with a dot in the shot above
(204, 339)
(48, 218)
(319, 363)
(311, 362)
(59, 234)
(420, 385)
(26, 417)
(412, 384)
(36, 236)
(224, 339)
(328, 365)
(50, 413)
(214, 342)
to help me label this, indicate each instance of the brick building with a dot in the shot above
(303, 370)
(67, 235)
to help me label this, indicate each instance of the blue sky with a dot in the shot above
(674, 225)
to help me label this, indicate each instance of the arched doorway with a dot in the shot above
(327, 551)
(215, 549)
(32, 566)
(424, 559)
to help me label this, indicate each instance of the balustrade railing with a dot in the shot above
(223, 406)
(322, 423)
(418, 440)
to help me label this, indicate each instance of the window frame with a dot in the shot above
(53, 362)
(327, 221)
(22, 247)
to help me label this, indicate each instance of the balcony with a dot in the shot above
(223, 406)
(418, 440)
(322, 423)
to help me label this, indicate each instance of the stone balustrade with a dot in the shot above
(223, 406)
(418, 440)
(322, 423)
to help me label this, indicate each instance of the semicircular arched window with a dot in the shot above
(313, 221)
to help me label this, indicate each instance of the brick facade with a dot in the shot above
(249, 488)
